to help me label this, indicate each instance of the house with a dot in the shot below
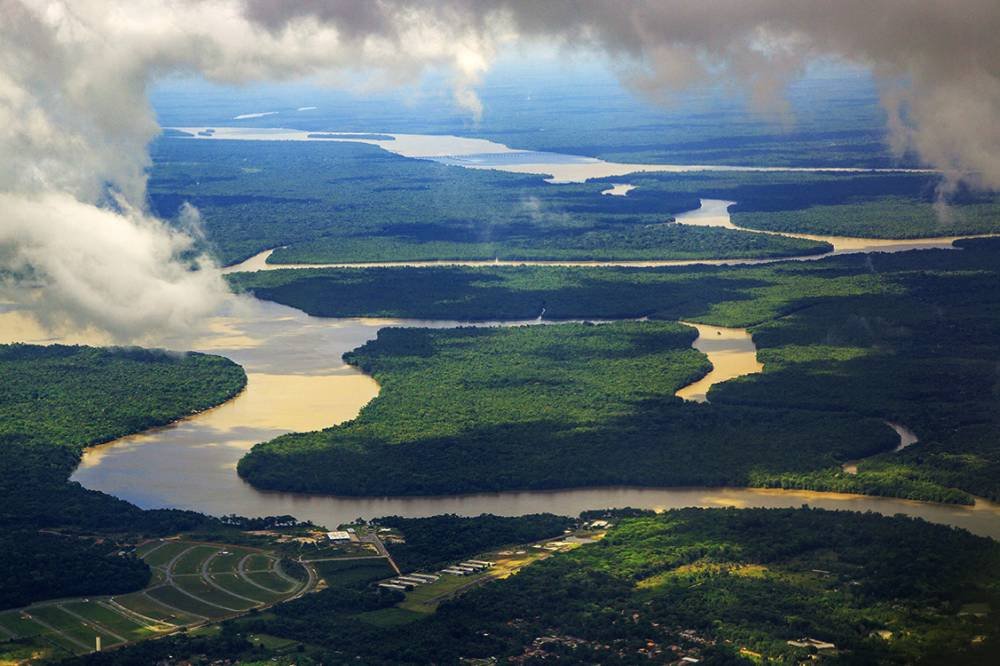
(338, 536)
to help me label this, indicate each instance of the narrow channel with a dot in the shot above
(711, 213)
(298, 382)
(731, 352)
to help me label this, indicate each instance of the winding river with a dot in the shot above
(484, 154)
(298, 382)
(712, 213)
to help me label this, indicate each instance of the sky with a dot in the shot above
(76, 117)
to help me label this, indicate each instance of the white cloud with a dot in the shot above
(75, 120)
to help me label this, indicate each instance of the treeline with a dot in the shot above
(439, 540)
(540, 407)
(322, 202)
(868, 205)
(55, 401)
(908, 337)
(40, 565)
(725, 296)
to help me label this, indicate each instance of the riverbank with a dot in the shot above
(713, 213)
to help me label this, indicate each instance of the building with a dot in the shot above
(338, 536)
(473, 565)
(412, 580)
(812, 642)
(427, 578)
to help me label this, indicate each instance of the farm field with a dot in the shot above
(193, 583)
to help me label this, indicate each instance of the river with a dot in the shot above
(484, 154)
(731, 352)
(711, 213)
(298, 382)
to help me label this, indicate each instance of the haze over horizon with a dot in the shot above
(77, 118)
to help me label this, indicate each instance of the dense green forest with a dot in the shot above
(719, 585)
(349, 202)
(38, 565)
(343, 202)
(437, 541)
(554, 406)
(867, 205)
(909, 336)
(57, 400)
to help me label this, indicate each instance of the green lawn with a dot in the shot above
(162, 555)
(198, 587)
(192, 561)
(141, 604)
(20, 626)
(229, 561)
(234, 583)
(271, 581)
(132, 629)
(72, 626)
(258, 562)
(425, 598)
(174, 597)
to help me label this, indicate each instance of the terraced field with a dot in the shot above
(193, 583)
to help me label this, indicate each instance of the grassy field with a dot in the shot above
(345, 573)
(179, 596)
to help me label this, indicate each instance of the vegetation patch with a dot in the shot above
(55, 401)
(908, 337)
(322, 202)
(480, 409)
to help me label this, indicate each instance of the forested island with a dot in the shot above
(865, 205)
(909, 337)
(554, 406)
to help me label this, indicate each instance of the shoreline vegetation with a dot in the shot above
(543, 407)
(342, 202)
(854, 337)
(58, 400)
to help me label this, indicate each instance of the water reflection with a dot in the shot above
(711, 213)
(484, 154)
(731, 352)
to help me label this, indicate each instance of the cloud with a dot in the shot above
(938, 61)
(75, 120)
(124, 273)
(261, 114)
